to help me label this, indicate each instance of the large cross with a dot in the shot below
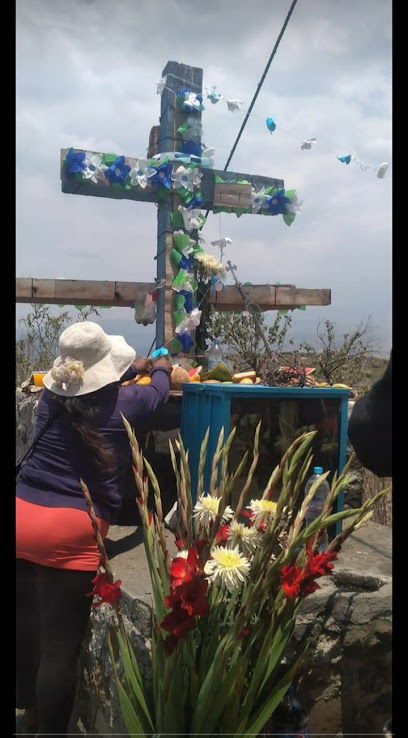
(219, 190)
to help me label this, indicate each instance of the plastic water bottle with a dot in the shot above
(290, 718)
(214, 355)
(316, 505)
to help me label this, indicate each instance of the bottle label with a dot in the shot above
(315, 507)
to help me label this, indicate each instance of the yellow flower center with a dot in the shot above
(210, 503)
(227, 558)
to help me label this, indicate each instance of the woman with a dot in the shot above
(370, 426)
(57, 557)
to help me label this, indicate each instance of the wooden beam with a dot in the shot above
(269, 297)
(122, 294)
(79, 292)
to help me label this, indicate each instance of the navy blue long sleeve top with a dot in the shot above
(51, 474)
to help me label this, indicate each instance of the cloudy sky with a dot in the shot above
(86, 72)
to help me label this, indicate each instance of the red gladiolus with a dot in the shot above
(178, 622)
(309, 586)
(184, 570)
(242, 633)
(106, 591)
(222, 533)
(170, 644)
(291, 578)
(180, 543)
(193, 597)
(150, 518)
(319, 564)
(200, 543)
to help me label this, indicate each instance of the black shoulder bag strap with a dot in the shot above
(45, 427)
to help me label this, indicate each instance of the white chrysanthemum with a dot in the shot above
(262, 511)
(209, 265)
(247, 538)
(206, 510)
(227, 565)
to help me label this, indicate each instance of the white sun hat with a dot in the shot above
(89, 360)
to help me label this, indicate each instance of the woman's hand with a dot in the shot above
(143, 366)
(163, 363)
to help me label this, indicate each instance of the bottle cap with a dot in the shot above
(317, 470)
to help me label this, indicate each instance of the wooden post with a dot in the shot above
(177, 76)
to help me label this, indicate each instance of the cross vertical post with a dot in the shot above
(177, 77)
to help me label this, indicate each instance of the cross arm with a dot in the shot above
(218, 188)
(123, 294)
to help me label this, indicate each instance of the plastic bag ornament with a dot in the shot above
(270, 124)
(145, 309)
(212, 94)
(345, 159)
(307, 143)
(161, 84)
(382, 170)
(234, 105)
(138, 172)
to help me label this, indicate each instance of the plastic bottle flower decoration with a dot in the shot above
(118, 171)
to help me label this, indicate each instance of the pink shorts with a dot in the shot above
(61, 537)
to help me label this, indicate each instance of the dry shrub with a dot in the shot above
(371, 486)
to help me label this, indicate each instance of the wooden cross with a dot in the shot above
(219, 189)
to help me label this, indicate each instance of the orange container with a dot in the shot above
(37, 378)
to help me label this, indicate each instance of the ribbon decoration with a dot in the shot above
(160, 352)
(190, 322)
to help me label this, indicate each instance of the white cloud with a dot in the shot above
(86, 76)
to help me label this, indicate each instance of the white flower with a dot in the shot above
(161, 84)
(188, 178)
(228, 565)
(138, 172)
(95, 169)
(293, 206)
(190, 101)
(247, 538)
(67, 372)
(206, 510)
(258, 198)
(194, 130)
(192, 218)
(190, 322)
(210, 266)
(262, 511)
(234, 105)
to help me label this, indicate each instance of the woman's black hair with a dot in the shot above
(82, 412)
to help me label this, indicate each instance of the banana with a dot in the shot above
(342, 386)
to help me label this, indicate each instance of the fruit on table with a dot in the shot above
(246, 380)
(237, 378)
(143, 379)
(212, 381)
(195, 374)
(178, 377)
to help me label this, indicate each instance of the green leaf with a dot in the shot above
(133, 675)
(274, 698)
(132, 722)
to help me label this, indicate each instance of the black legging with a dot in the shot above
(52, 615)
